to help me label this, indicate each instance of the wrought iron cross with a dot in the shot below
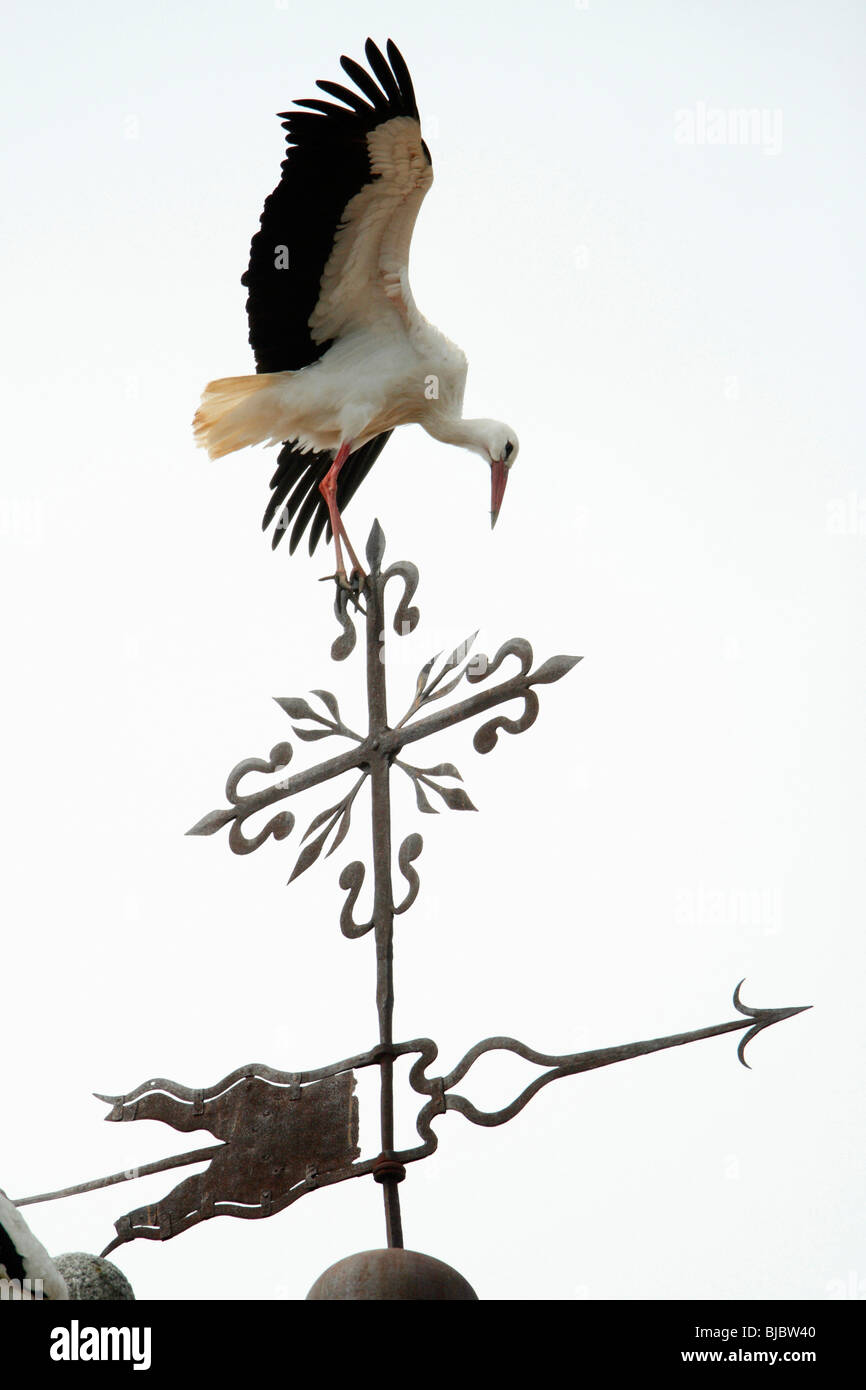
(284, 1134)
(373, 756)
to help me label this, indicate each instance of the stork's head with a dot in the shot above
(500, 447)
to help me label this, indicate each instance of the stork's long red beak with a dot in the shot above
(499, 477)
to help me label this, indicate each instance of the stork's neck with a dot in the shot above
(468, 434)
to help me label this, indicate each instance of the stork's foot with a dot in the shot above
(349, 587)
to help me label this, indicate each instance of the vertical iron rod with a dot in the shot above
(383, 902)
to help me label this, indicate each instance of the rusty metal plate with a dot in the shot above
(278, 1139)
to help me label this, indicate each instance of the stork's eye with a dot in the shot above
(509, 449)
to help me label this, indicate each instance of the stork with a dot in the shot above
(343, 355)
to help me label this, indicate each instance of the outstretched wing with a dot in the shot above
(332, 250)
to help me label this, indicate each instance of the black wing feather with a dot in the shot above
(401, 72)
(307, 471)
(362, 79)
(324, 108)
(310, 503)
(336, 89)
(316, 467)
(326, 164)
(284, 480)
(383, 72)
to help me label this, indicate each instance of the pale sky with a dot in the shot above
(666, 302)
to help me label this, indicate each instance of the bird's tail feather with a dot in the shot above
(237, 411)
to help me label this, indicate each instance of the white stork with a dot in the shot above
(342, 353)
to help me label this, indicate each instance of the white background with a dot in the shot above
(675, 330)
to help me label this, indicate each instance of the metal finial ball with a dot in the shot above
(387, 1275)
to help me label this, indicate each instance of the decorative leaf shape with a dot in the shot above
(212, 822)
(442, 770)
(424, 673)
(295, 708)
(455, 798)
(310, 735)
(320, 819)
(330, 703)
(308, 855)
(375, 547)
(342, 829)
(423, 803)
(554, 669)
(447, 687)
(459, 654)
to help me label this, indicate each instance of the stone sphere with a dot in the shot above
(91, 1277)
(391, 1274)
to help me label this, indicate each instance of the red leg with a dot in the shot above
(328, 489)
(356, 563)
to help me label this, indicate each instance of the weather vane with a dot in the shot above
(284, 1134)
(343, 357)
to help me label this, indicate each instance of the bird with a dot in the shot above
(343, 355)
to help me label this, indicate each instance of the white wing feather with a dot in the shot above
(367, 273)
